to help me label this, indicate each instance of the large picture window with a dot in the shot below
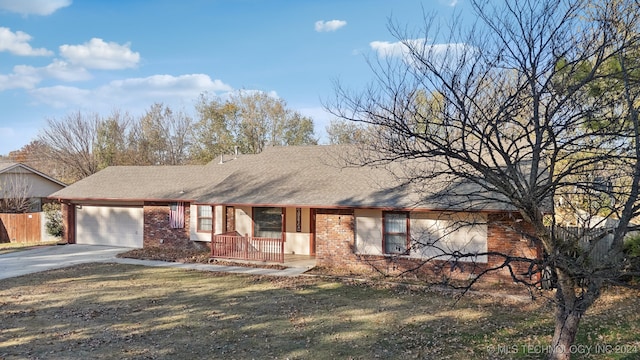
(396, 232)
(205, 218)
(268, 222)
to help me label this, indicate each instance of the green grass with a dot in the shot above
(109, 311)
(6, 248)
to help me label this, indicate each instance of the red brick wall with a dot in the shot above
(507, 234)
(335, 238)
(157, 231)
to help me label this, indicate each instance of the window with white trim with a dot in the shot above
(205, 218)
(395, 230)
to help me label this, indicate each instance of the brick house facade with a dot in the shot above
(336, 249)
(157, 230)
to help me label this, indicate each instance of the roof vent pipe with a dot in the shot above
(221, 159)
(235, 149)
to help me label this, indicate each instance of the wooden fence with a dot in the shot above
(248, 248)
(598, 241)
(20, 228)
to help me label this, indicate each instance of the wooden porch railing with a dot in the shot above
(247, 248)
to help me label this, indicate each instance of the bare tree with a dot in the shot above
(70, 141)
(14, 194)
(507, 105)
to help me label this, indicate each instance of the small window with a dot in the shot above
(268, 222)
(176, 215)
(205, 218)
(396, 232)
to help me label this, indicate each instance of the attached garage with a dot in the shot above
(110, 225)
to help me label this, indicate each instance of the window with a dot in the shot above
(396, 232)
(205, 218)
(268, 222)
(176, 215)
(298, 220)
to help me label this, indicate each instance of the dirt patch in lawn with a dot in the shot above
(116, 311)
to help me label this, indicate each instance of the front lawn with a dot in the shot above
(6, 248)
(113, 311)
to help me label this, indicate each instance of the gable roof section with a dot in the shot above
(139, 183)
(12, 167)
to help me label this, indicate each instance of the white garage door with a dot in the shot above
(109, 225)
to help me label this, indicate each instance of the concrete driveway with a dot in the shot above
(53, 257)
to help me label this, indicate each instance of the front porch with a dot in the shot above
(252, 250)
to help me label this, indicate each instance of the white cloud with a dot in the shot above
(401, 48)
(22, 77)
(62, 70)
(35, 7)
(62, 96)
(388, 49)
(17, 43)
(331, 25)
(98, 54)
(444, 55)
(28, 77)
(135, 91)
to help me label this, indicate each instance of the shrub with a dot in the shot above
(53, 217)
(632, 252)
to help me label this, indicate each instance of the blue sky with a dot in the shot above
(95, 56)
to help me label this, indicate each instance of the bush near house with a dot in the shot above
(632, 250)
(53, 216)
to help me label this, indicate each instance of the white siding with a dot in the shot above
(463, 232)
(193, 226)
(37, 186)
(244, 224)
(218, 219)
(368, 231)
(109, 225)
(297, 242)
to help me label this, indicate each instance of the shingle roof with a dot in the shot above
(138, 183)
(313, 176)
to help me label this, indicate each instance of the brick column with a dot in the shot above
(335, 238)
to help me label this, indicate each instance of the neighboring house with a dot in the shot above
(304, 198)
(24, 190)
(20, 180)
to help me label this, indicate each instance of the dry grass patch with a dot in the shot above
(112, 311)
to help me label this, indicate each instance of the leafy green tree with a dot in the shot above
(161, 137)
(344, 132)
(111, 146)
(214, 133)
(249, 121)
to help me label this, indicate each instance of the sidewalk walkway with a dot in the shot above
(290, 271)
(43, 258)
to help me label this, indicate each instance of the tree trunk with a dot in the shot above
(566, 327)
